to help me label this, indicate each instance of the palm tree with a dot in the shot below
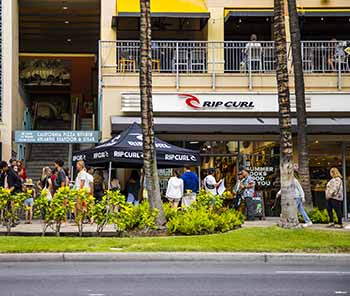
(289, 217)
(303, 159)
(150, 161)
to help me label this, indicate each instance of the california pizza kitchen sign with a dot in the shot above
(204, 102)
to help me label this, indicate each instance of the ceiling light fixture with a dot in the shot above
(69, 40)
(65, 7)
(66, 22)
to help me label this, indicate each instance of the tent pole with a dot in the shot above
(109, 175)
(199, 177)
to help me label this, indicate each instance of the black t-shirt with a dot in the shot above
(61, 177)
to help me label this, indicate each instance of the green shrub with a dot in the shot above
(208, 200)
(132, 217)
(10, 205)
(169, 211)
(105, 212)
(204, 216)
(318, 216)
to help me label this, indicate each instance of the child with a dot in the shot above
(29, 202)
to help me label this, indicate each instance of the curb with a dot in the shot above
(271, 258)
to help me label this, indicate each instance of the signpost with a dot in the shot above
(52, 137)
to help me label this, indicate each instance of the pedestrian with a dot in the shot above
(115, 184)
(175, 189)
(247, 189)
(22, 173)
(11, 179)
(60, 180)
(237, 190)
(82, 180)
(99, 186)
(90, 176)
(12, 182)
(210, 184)
(191, 186)
(12, 162)
(299, 196)
(133, 187)
(29, 202)
(335, 196)
(45, 176)
(45, 182)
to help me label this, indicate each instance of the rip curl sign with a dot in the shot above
(210, 103)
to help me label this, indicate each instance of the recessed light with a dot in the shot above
(69, 40)
(66, 22)
(65, 7)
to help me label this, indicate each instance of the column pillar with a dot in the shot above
(216, 33)
(107, 61)
(10, 117)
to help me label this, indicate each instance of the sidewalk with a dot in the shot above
(90, 230)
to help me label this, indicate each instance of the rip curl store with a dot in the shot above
(233, 130)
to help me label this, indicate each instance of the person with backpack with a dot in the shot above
(191, 186)
(60, 180)
(335, 196)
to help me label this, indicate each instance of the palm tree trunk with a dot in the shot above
(303, 161)
(289, 218)
(150, 161)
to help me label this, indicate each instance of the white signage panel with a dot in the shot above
(234, 102)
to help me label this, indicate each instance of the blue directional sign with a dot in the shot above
(67, 137)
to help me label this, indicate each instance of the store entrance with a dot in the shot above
(261, 158)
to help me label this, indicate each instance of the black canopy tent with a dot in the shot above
(126, 151)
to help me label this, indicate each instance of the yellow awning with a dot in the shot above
(164, 8)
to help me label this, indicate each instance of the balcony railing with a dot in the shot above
(222, 57)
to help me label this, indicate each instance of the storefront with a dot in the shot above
(233, 130)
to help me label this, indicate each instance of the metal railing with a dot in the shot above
(247, 57)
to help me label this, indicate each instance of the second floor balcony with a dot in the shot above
(246, 58)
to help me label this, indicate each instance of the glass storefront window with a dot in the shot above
(323, 156)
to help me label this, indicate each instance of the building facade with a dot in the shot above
(214, 85)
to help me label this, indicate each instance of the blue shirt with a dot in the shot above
(190, 181)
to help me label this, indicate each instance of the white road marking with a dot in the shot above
(311, 272)
(341, 292)
(96, 294)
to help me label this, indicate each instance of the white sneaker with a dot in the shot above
(307, 224)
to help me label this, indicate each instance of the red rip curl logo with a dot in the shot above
(191, 100)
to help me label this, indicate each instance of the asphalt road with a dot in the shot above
(171, 278)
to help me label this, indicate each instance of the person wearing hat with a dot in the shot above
(247, 187)
(29, 202)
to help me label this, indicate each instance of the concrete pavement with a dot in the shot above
(90, 230)
(172, 278)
